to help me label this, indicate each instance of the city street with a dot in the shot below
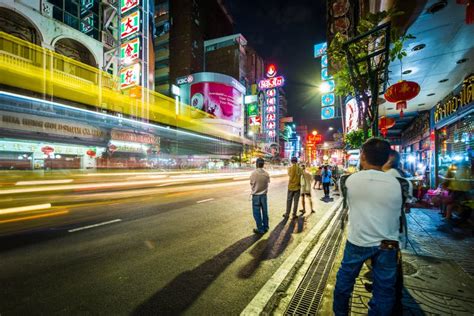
(169, 250)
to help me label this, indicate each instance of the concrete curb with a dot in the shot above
(262, 303)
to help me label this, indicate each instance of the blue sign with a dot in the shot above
(328, 113)
(320, 49)
(324, 61)
(328, 99)
(325, 74)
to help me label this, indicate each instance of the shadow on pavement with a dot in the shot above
(183, 290)
(270, 248)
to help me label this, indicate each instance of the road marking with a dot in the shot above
(203, 201)
(25, 208)
(33, 217)
(44, 182)
(95, 225)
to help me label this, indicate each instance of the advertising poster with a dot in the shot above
(220, 100)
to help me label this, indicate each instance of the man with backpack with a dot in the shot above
(375, 200)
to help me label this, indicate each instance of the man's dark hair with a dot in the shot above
(260, 162)
(395, 163)
(376, 151)
(294, 159)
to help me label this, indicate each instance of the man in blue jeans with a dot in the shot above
(259, 180)
(374, 199)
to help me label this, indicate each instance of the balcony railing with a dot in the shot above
(30, 67)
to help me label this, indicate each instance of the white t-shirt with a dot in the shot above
(374, 199)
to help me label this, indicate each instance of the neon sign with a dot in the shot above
(130, 25)
(271, 71)
(328, 112)
(130, 51)
(130, 76)
(127, 5)
(271, 83)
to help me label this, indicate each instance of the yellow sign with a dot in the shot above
(452, 104)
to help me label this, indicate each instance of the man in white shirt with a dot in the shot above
(374, 199)
(259, 180)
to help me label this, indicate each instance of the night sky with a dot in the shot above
(284, 33)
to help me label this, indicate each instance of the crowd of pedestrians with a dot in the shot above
(375, 198)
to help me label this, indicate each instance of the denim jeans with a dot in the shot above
(326, 188)
(384, 268)
(260, 212)
(293, 197)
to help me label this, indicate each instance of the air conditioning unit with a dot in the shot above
(108, 40)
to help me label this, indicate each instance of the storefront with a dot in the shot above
(416, 148)
(453, 122)
(42, 135)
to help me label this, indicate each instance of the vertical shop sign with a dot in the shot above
(130, 51)
(269, 87)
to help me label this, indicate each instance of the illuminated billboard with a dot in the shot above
(126, 5)
(130, 25)
(130, 76)
(130, 51)
(220, 100)
(270, 83)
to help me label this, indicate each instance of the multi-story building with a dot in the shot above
(182, 26)
(60, 110)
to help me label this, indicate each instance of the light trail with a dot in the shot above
(20, 209)
(33, 217)
(36, 182)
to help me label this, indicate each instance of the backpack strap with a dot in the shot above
(405, 189)
(343, 188)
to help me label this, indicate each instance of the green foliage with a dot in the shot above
(360, 49)
(354, 139)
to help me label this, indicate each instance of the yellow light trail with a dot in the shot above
(25, 218)
(24, 208)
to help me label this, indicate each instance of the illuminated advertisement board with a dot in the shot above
(130, 76)
(328, 112)
(130, 25)
(127, 5)
(352, 115)
(270, 83)
(130, 51)
(218, 99)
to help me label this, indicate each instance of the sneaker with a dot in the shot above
(294, 216)
(302, 212)
(313, 211)
(256, 231)
(285, 215)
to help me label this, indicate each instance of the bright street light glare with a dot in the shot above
(324, 87)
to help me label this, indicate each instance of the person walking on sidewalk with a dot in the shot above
(294, 186)
(306, 189)
(317, 178)
(326, 176)
(259, 180)
(374, 199)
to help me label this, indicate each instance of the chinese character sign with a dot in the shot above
(130, 76)
(127, 5)
(130, 51)
(130, 25)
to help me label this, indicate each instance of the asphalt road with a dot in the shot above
(162, 250)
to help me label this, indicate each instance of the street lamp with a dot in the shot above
(331, 128)
(315, 132)
(324, 87)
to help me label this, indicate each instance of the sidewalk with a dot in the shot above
(438, 266)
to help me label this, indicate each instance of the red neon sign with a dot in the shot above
(271, 71)
(271, 83)
(315, 139)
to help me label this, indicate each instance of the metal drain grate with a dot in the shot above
(309, 294)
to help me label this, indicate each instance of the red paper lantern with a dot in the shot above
(47, 150)
(91, 153)
(401, 92)
(385, 123)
